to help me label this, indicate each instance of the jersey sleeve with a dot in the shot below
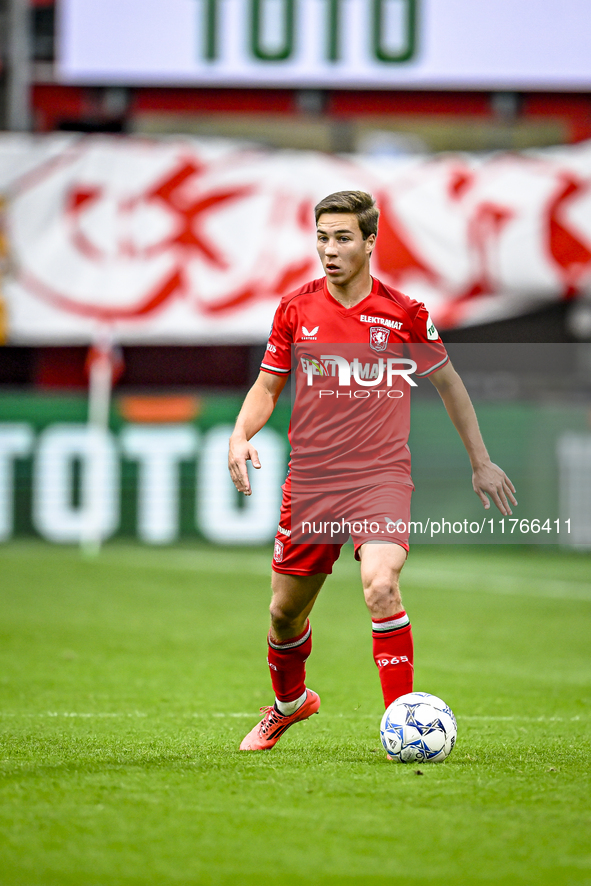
(427, 349)
(277, 359)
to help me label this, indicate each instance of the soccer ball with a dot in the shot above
(417, 728)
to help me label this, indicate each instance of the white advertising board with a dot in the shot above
(435, 44)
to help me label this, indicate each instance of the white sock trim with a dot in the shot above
(291, 645)
(396, 622)
(287, 708)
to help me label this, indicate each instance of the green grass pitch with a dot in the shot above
(127, 682)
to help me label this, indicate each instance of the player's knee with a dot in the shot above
(382, 595)
(284, 617)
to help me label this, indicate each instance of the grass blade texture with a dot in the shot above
(127, 682)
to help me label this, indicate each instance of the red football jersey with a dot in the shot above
(353, 373)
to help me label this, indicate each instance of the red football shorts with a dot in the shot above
(314, 526)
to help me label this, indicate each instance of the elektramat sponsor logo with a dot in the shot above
(383, 321)
(284, 531)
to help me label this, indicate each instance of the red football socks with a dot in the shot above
(287, 664)
(393, 654)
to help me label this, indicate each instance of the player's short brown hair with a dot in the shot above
(359, 203)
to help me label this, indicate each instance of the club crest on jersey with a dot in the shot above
(378, 338)
(278, 551)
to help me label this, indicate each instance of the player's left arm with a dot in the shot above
(487, 478)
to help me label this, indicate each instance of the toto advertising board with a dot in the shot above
(157, 482)
(511, 44)
(165, 482)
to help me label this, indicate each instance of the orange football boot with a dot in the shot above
(268, 732)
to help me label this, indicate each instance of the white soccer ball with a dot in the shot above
(418, 728)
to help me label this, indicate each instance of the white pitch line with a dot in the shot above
(480, 581)
(502, 583)
(231, 562)
(195, 561)
(192, 561)
(103, 715)
(462, 717)
(240, 714)
(522, 719)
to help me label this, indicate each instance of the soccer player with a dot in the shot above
(350, 466)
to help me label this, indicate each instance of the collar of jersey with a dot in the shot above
(356, 309)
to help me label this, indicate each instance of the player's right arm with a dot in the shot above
(256, 411)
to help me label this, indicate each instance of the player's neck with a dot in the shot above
(353, 292)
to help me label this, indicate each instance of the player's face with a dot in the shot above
(343, 251)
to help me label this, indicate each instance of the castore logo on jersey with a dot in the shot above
(310, 333)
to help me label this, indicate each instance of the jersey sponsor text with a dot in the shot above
(391, 324)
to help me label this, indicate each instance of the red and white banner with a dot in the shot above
(194, 241)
